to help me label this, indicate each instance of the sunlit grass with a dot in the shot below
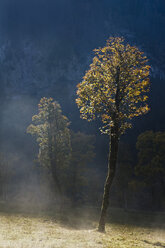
(79, 230)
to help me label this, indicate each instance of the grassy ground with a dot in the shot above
(78, 230)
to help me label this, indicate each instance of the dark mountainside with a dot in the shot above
(46, 47)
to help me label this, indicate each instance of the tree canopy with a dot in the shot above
(114, 88)
(51, 130)
(151, 156)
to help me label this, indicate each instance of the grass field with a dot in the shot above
(125, 230)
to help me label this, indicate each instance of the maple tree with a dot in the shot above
(51, 130)
(114, 89)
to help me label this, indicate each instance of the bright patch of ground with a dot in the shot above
(23, 231)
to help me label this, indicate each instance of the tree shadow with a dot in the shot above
(159, 244)
(76, 219)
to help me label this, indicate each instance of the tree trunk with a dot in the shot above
(112, 159)
(153, 197)
(55, 178)
(51, 152)
(125, 199)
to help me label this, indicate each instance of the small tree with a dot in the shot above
(151, 162)
(53, 136)
(114, 89)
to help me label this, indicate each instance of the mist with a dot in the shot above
(46, 48)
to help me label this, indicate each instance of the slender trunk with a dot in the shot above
(153, 197)
(125, 199)
(55, 178)
(53, 168)
(74, 186)
(51, 152)
(113, 150)
(163, 190)
(112, 159)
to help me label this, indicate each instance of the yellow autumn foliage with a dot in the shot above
(116, 85)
